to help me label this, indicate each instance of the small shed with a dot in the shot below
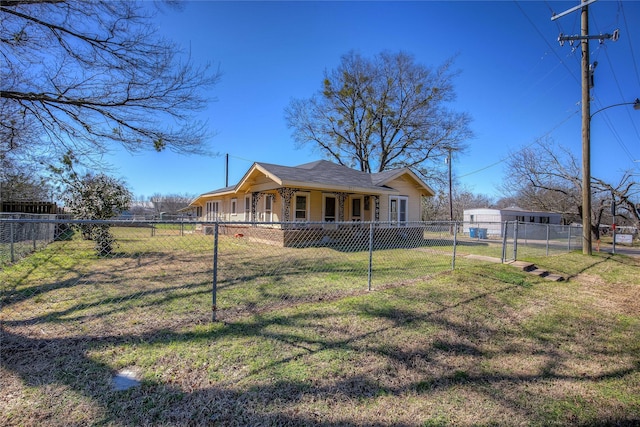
(491, 220)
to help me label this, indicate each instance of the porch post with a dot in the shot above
(255, 198)
(342, 197)
(377, 208)
(287, 194)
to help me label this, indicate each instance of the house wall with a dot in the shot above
(316, 199)
(405, 187)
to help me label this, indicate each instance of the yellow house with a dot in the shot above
(320, 191)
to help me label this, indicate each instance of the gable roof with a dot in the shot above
(323, 174)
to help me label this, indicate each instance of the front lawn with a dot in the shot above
(302, 340)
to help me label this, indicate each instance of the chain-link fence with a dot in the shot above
(94, 274)
(525, 239)
(19, 238)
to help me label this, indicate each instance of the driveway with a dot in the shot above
(621, 249)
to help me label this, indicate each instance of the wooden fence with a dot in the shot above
(29, 207)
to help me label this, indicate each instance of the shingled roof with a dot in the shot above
(323, 173)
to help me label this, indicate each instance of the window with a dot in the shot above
(544, 220)
(356, 209)
(268, 208)
(212, 211)
(247, 208)
(532, 219)
(300, 208)
(398, 208)
(234, 204)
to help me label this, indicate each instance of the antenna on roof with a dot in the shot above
(226, 171)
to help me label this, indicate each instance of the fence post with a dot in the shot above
(214, 291)
(548, 239)
(515, 240)
(370, 255)
(504, 241)
(11, 237)
(33, 230)
(569, 241)
(455, 242)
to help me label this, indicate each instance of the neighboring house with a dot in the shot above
(291, 197)
(492, 219)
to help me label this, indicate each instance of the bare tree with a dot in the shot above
(544, 177)
(547, 177)
(437, 208)
(170, 204)
(382, 113)
(86, 75)
(622, 195)
(24, 186)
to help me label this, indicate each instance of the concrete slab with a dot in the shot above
(524, 266)
(539, 272)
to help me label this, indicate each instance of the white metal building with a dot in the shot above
(492, 219)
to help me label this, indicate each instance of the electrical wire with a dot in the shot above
(628, 33)
(546, 41)
(504, 159)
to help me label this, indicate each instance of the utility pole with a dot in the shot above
(584, 38)
(226, 171)
(450, 193)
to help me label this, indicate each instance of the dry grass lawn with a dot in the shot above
(481, 345)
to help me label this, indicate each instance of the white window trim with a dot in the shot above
(212, 210)
(399, 199)
(268, 214)
(247, 208)
(307, 197)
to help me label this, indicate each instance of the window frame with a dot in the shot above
(306, 209)
(399, 202)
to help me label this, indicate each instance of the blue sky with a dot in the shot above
(516, 81)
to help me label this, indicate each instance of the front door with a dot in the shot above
(329, 209)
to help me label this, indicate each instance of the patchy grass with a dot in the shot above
(482, 345)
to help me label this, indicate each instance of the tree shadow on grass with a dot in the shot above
(432, 367)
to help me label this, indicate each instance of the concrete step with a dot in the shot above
(538, 272)
(533, 269)
(522, 265)
(528, 267)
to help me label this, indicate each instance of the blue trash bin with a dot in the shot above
(473, 232)
(482, 233)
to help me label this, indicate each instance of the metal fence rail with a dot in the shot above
(193, 271)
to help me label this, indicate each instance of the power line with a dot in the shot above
(502, 160)
(547, 42)
(628, 32)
